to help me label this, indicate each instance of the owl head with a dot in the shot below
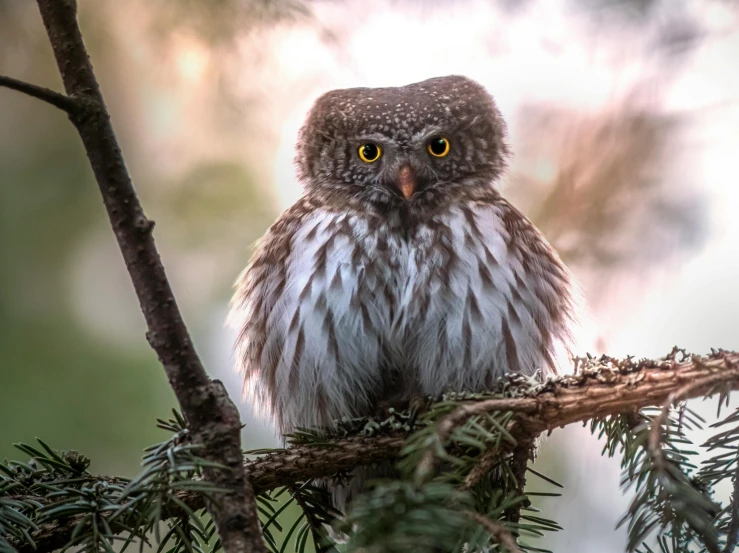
(415, 144)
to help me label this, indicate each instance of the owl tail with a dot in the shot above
(355, 483)
(343, 494)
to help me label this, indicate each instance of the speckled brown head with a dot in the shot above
(413, 145)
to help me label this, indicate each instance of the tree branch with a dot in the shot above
(211, 415)
(501, 534)
(522, 454)
(609, 386)
(56, 99)
(658, 424)
(603, 387)
(613, 386)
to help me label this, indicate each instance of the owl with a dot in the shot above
(401, 272)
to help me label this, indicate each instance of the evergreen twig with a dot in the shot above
(501, 534)
(318, 515)
(732, 531)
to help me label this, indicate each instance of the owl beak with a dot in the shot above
(406, 181)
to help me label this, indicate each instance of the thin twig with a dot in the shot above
(705, 385)
(211, 415)
(429, 462)
(485, 463)
(501, 534)
(492, 457)
(316, 528)
(519, 465)
(56, 99)
(732, 534)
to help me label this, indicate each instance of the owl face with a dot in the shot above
(410, 145)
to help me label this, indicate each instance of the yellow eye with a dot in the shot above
(439, 147)
(369, 153)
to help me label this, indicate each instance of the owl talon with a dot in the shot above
(418, 405)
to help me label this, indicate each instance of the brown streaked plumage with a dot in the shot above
(401, 276)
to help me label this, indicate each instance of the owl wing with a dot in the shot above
(296, 304)
(495, 298)
(258, 290)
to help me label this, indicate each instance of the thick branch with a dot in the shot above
(210, 414)
(607, 387)
(64, 103)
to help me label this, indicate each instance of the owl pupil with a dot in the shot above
(438, 146)
(370, 152)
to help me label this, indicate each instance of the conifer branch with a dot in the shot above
(733, 531)
(601, 387)
(658, 424)
(521, 456)
(484, 465)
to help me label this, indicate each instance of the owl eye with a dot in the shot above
(369, 153)
(438, 147)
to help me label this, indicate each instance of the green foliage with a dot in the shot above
(674, 495)
(153, 509)
(38, 491)
(724, 465)
(398, 516)
(476, 436)
(471, 498)
(317, 515)
(100, 509)
(477, 458)
(668, 497)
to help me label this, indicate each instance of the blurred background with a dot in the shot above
(623, 119)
